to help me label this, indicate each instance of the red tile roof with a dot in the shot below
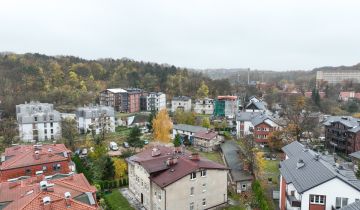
(24, 155)
(208, 135)
(26, 194)
(163, 174)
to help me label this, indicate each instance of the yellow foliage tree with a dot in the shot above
(120, 167)
(162, 126)
(260, 163)
(357, 115)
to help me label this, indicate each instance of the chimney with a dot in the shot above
(46, 200)
(39, 175)
(300, 164)
(246, 166)
(155, 152)
(37, 155)
(195, 157)
(171, 161)
(67, 196)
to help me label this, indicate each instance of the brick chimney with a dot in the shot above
(67, 196)
(195, 157)
(37, 155)
(171, 161)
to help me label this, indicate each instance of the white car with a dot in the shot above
(113, 146)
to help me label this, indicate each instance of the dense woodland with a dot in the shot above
(69, 81)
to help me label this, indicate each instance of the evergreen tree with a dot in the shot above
(177, 141)
(109, 169)
(134, 138)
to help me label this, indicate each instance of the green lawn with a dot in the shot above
(214, 156)
(271, 169)
(116, 201)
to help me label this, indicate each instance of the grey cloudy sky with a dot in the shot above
(269, 34)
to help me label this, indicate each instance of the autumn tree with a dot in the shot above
(205, 122)
(275, 140)
(120, 168)
(162, 126)
(182, 117)
(248, 149)
(69, 132)
(203, 90)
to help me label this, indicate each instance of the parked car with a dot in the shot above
(146, 142)
(126, 145)
(113, 146)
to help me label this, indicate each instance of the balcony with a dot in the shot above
(293, 201)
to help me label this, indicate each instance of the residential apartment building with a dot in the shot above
(122, 100)
(155, 101)
(240, 176)
(95, 118)
(58, 192)
(258, 124)
(312, 181)
(206, 141)
(164, 180)
(182, 103)
(204, 106)
(187, 132)
(38, 122)
(346, 95)
(27, 160)
(337, 76)
(342, 133)
(226, 106)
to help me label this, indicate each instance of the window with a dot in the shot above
(204, 201)
(159, 196)
(28, 171)
(51, 124)
(56, 167)
(204, 187)
(193, 175)
(45, 125)
(317, 199)
(45, 131)
(192, 206)
(203, 173)
(192, 191)
(341, 202)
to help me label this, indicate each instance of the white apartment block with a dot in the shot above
(335, 77)
(38, 122)
(204, 106)
(155, 101)
(182, 103)
(95, 118)
(164, 180)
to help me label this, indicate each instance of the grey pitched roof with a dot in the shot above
(348, 121)
(230, 150)
(189, 128)
(313, 172)
(181, 98)
(246, 116)
(352, 206)
(355, 155)
(260, 105)
(261, 118)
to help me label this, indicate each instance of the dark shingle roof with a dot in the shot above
(314, 172)
(352, 206)
(355, 155)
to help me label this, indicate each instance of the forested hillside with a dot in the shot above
(69, 81)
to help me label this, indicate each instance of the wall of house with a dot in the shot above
(331, 189)
(26, 131)
(215, 191)
(185, 104)
(282, 200)
(205, 145)
(139, 183)
(243, 128)
(17, 172)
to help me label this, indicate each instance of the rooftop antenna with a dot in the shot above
(248, 76)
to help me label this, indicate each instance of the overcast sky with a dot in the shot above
(269, 34)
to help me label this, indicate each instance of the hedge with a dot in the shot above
(260, 196)
(111, 184)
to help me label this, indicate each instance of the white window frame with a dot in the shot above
(203, 173)
(193, 176)
(317, 199)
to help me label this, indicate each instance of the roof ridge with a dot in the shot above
(59, 181)
(16, 159)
